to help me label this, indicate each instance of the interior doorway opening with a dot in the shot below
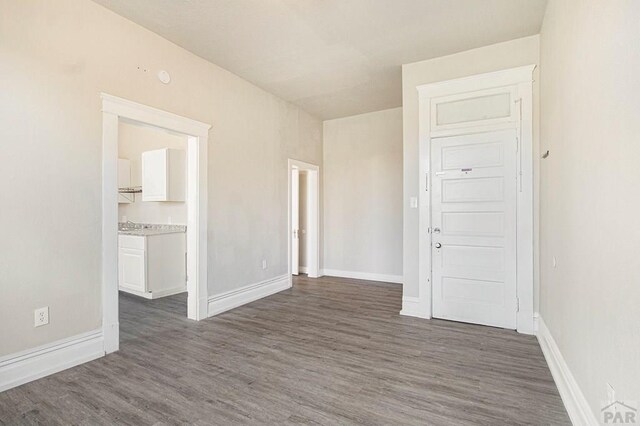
(304, 226)
(152, 212)
(186, 184)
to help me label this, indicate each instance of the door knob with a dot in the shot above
(436, 230)
(438, 245)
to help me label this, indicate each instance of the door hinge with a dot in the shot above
(426, 182)
(517, 304)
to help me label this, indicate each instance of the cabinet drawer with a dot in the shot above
(131, 241)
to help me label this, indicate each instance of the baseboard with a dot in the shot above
(412, 307)
(574, 401)
(26, 366)
(154, 294)
(234, 298)
(143, 294)
(397, 279)
(168, 292)
(303, 269)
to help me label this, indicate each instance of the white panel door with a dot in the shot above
(474, 228)
(295, 221)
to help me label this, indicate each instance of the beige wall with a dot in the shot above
(510, 54)
(132, 142)
(590, 92)
(55, 59)
(363, 193)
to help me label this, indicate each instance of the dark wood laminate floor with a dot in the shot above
(327, 351)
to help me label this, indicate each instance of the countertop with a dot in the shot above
(148, 229)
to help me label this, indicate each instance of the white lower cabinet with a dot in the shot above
(152, 266)
(132, 269)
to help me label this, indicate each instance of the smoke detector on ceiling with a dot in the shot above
(164, 76)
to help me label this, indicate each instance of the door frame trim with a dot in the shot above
(114, 110)
(313, 221)
(295, 172)
(521, 79)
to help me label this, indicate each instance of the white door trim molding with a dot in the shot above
(115, 109)
(313, 219)
(521, 80)
(294, 228)
(412, 307)
(574, 400)
(23, 367)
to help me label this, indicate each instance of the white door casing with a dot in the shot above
(480, 103)
(295, 221)
(115, 109)
(313, 215)
(473, 216)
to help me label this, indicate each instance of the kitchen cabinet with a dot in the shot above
(133, 266)
(152, 266)
(124, 180)
(164, 175)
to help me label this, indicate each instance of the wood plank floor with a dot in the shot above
(327, 351)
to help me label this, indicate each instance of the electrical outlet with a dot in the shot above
(264, 264)
(41, 316)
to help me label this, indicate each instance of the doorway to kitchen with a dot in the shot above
(167, 174)
(304, 223)
(152, 252)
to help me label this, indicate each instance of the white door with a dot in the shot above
(473, 220)
(295, 221)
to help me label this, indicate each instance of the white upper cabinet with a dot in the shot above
(164, 176)
(124, 179)
(478, 108)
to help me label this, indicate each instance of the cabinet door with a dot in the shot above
(154, 175)
(132, 269)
